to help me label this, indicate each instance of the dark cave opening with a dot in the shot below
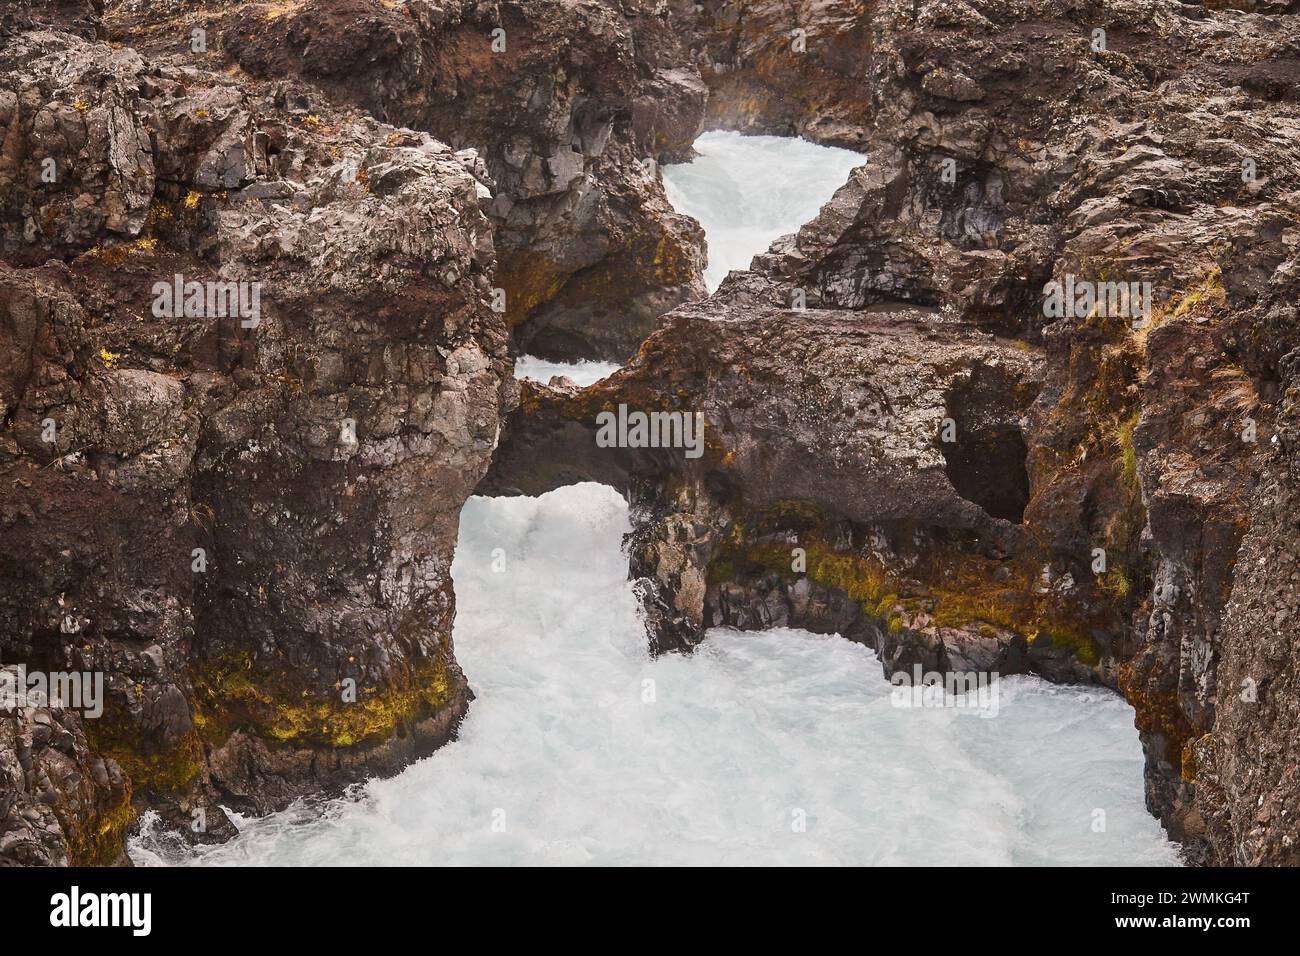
(986, 465)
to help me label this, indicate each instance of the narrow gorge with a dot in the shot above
(976, 324)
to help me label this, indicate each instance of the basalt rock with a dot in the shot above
(570, 106)
(1245, 772)
(924, 460)
(239, 505)
(786, 69)
(859, 473)
(1011, 144)
(60, 803)
(83, 17)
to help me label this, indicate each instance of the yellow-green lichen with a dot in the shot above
(1187, 763)
(955, 590)
(1128, 454)
(1155, 712)
(1072, 639)
(234, 695)
(159, 772)
(97, 840)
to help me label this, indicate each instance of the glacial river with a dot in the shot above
(778, 747)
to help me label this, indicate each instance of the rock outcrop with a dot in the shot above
(60, 802)
(1247, 769)
(1125, 142)
(784, 68)
(862, 473)
(245, 520)
(250, 373)
(1011, 145)
(571, 106)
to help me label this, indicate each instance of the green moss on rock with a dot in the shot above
(234, 696)
(955, 590)
(165, 771)
(99, 839)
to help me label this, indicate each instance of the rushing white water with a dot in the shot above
(581, 749)
(748, 190)
(583, 373)
(780, 747)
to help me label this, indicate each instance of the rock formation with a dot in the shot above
(1010, 145)
(243, 516)
(786, 69)
(801, 407)
(244, 520)
(571, 106)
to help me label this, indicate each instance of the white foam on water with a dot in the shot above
(584, 373)
(584, 750)
(749, 190)
(581, 749)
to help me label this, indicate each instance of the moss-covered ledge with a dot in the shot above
(944, 593)
(234, 695)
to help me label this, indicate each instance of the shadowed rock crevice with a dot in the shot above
(989, 469)
(983, 448)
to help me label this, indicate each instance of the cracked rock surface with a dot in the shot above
(569, 106)
(243, 519)
(1139, 541)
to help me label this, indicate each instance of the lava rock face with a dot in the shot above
(238, 505)
(862, 473)
(1142, 542)
(1135, 142)
(571, 107)
(244, 520)
(1247, 768)
(784, 68)
(59, 801)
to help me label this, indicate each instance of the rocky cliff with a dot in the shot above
(1131, 470)
(786, 69)
(245, 521)
(242, 516)
(571, 107)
